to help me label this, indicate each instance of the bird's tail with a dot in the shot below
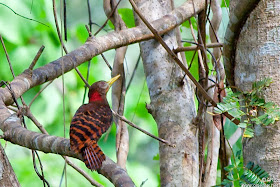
(93, 156)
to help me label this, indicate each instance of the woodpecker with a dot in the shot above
(90, 122)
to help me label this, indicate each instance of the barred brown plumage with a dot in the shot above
(90, 122)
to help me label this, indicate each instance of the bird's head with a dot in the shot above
(98, 90)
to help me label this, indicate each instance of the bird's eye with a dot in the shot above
(104, 85)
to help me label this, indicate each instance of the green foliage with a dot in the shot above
(238, 175)
(225, 3)
(254, 174)
(187, 24)
(257, 110)
(127, 16)
(156, 157)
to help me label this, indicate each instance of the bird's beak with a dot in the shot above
(110, 82)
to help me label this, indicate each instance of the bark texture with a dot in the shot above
(213, 141)
(7, 175)
(240, 10)
(257, 57)
(172, 104)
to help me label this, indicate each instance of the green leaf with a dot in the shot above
(269, 105)
(242, 125)
(261, 84)
(156, 157)
(236, 113)
(187, 24)
(226, 182)
(225, 3)
(111, 24)
(230, 177)
(254, 174)
(256, 120)
(269, 120)
(249, 133)
(127, 16)
(229, 167)
(81, 33)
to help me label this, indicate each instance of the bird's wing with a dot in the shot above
(89, 123)
(99, 116)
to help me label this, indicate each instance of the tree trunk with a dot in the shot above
(258, 57)
(7, 174)
(172, 104)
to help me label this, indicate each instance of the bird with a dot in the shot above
(90, 122)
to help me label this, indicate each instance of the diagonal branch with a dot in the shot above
(142, 130)
(178, 61)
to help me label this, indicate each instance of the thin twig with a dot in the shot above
(108, 17)
(216, 36)
(133, 73)
(192, 60)
(104, 58)
(65, 19)
(10, 65)
(194, 48)
(106, 61)
(81, 76)
(89, 31)
(28, 113)
(62, 43)
(212, 55)
(38, 93)
(7, 56)
(34, 61)
(89, 15)
(194, 38)
(177, 60)
(41, 176)
(82, 172)
(142, 130)
(57, 27)
(23, 16)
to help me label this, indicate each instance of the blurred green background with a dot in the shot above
(23, 38)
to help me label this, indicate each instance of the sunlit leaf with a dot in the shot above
(242, 125)
(249, 133)
(156, 157)
(127, 16)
